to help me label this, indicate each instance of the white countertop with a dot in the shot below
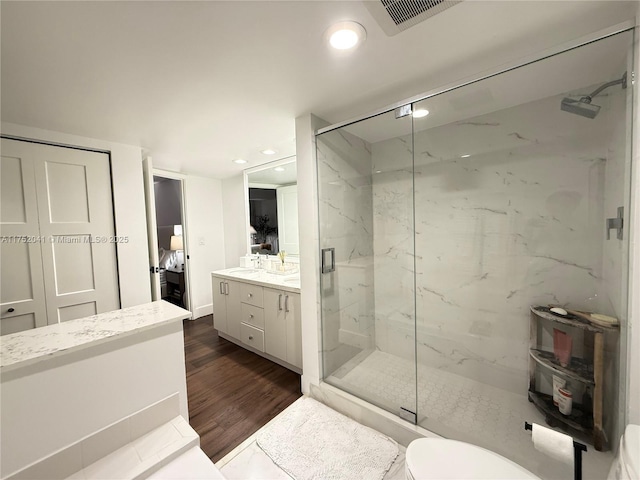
(31, 346)
(290, 283)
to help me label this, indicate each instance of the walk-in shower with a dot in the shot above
(439, 233)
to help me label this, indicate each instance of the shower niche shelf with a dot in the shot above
(586, 417)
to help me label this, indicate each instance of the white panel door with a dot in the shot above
(75, 210)
(287, 198)
(22, 299)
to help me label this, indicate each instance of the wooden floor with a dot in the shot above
(232, 392)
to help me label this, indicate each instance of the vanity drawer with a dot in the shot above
(253, 315)
(251, 294)
(252, 336)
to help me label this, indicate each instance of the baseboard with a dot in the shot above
(202, 311)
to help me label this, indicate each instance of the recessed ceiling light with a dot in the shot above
(465, 155)
(239, 161)
(279, 169)
(420, 113)
(345, 35)
(269, 151)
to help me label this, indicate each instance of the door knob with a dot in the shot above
(11, 310)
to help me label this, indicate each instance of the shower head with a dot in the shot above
(581, 107)
(584, 107)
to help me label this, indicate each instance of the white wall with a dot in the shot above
(306, 125)
(235, 228)
(205, 239)
(128, 205)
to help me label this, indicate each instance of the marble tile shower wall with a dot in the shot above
(346, 213)
(517, 223)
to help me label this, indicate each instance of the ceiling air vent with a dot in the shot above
(395, 16)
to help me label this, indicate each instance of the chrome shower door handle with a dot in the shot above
(328, 260)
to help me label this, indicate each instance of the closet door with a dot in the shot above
(76, 217)
(22, 301)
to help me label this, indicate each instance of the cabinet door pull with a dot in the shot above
(286, 303)
(250, 295)
(11, 310)
(280, 302)
(221, 289)
(250, 337)
(226, 288)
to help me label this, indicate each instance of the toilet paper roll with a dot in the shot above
(555, 444)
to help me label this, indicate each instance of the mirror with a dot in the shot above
(272, 208)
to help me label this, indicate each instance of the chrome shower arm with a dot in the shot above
(622, 81)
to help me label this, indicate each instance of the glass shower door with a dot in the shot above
(365, 189)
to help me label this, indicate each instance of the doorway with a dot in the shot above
(170, 228)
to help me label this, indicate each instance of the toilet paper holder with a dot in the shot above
(578, 448)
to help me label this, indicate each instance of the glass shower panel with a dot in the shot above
(365, 189)
(514, 179)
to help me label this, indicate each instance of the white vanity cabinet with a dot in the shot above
(252, 314)
(282, 326)
(227, 306)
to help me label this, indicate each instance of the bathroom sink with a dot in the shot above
(244, 270)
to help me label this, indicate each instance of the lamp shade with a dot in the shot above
(176, 242)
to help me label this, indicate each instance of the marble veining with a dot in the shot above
(32, 346)
(289, 283)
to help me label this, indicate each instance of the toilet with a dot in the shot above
(626, 465)
(438, 458)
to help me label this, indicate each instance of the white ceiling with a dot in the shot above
(198, 84)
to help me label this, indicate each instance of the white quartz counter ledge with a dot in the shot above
(290, 283)
(31, 346)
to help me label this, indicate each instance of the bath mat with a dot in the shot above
(310, 441)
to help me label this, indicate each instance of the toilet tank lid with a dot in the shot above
(438, 458)
(630, 450)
